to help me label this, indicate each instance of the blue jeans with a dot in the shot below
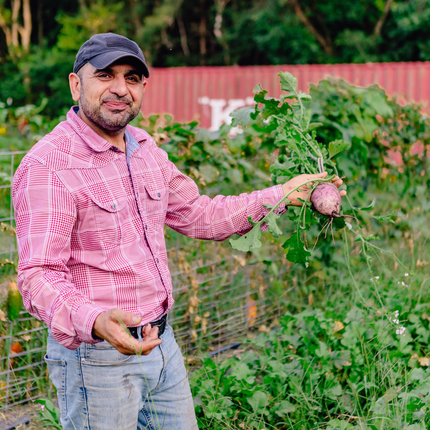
(99, 388)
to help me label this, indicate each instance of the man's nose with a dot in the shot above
(119, 86)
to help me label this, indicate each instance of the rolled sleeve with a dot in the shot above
(271, 196)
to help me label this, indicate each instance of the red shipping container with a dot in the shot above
(209, 94)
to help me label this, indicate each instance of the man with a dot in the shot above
(91, 200)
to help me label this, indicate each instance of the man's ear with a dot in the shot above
(75, 86)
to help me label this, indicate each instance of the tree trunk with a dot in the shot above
(17, 35)
(380, 23)
(202, 33)
(40, 22)
(6, 31)
(325, 42)
(220, 6)
(25, 30)
(16, 6)
(183, 35)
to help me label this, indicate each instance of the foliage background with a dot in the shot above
(38, 40)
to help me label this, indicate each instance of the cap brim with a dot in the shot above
(106, 59)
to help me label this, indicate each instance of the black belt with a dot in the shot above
(160, 323)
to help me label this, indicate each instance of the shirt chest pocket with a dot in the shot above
(109, 219)
(155, 205)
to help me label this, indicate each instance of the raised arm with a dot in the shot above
(199, 216)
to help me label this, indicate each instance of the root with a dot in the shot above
(329, 224)
(344, 216)
(325, 227)
(331, 228)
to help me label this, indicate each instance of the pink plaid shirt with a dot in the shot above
(90, 230)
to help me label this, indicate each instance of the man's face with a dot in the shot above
(110, 98)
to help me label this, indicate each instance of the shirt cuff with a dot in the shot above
(83, 320)
(271, 196)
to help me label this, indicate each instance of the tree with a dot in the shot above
(37, 51)
(16, 23)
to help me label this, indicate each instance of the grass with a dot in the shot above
(340, 358)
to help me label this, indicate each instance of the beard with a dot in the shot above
(113, 121)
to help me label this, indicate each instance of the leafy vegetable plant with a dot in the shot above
(289, 119)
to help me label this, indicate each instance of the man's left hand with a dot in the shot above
(303, 191)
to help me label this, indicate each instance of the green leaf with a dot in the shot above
(297, 253)
(339, 223)
(242, 116)
(341, 359)
(283, 164)
(378, 103)
(386, 218)
(257, 89)
(203, 135)
(303, 96)
(288, 83)
(271, 105)
(285, 407)
(258, 401)
(249, 240)
(273, 227)
(314, 125)
(242, 372)
(322, 351)
(337, 146)
(339, 425)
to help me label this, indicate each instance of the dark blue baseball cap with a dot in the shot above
(105, 48)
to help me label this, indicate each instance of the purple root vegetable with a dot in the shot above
(326, 199)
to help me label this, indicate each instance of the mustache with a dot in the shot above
(118, 99)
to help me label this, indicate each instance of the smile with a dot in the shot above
(116, 105)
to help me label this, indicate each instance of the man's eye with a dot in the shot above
(103, 75)
(133, 79)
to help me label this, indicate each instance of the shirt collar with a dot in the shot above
(88, 135)
(94, 140)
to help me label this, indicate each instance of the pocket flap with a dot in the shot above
(113, 205)
(155, 194)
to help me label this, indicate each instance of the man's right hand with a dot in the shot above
(109, 326)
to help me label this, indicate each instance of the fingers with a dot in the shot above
(128, 318)
(126, 344)
(318, 175)
(112, 326)
(337, 181)
(133, 346)
(150, 332)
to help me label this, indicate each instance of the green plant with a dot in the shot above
(49, 414)
(347, 369)
(289, 118)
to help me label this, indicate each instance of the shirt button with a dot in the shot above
(146, 226)
(159, 195)
(157, 260)
(114, 206)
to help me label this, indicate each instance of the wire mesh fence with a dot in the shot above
(220, 296)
